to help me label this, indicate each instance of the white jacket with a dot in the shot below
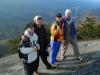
(32, 55)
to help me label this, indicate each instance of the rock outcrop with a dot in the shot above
(90, 51)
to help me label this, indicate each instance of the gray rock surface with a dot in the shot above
(90, 50)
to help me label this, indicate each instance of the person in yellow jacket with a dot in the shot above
(57, 35)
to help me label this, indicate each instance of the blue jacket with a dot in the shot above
(73, 30)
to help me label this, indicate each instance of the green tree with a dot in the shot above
(87, 32)
(47, 26)
(97, 31)
(13, 44)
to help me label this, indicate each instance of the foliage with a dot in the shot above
(89, 29)
(3, 48)
(13, 44)
(47, 26)
(7, 30)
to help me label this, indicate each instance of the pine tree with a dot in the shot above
(13, 44)
(87, 30)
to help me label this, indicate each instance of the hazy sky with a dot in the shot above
(96, 1)
(24, 9)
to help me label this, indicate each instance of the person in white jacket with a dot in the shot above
(29, 47)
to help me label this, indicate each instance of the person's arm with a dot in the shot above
(65, 27)
(37, 44)
(74, 27)
(54, 30)
(46, 39)
(27, 50)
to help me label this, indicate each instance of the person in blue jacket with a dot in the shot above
(69, 35)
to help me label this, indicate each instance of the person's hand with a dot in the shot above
(35, 49)
(63, 40)
(58, 27)
(38, 48)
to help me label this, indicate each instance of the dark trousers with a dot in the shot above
(44, 60)
(29, 68)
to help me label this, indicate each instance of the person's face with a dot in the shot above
(30, 29)
(67, 15)
(59, 19)
(38, 21)
(24, 38)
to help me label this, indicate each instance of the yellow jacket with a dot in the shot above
(57, 35)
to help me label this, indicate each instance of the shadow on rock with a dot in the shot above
(89, 66)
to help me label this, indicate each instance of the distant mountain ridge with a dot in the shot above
(18, 22)
(23, 10)
(14, 14)
(90, 13)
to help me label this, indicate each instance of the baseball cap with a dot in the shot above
(58, 15)
(29, 26)
(37, 17)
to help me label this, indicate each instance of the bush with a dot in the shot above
(89, 30)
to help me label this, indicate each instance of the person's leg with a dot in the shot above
(54, 51)
(58, 47)
(28, 68)
(64, 47)
(36, 65)
(25, 68)
(45, 61)
(75, 48)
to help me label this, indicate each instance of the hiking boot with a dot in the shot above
(80, 58)
(51, 67)
(36, 73)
